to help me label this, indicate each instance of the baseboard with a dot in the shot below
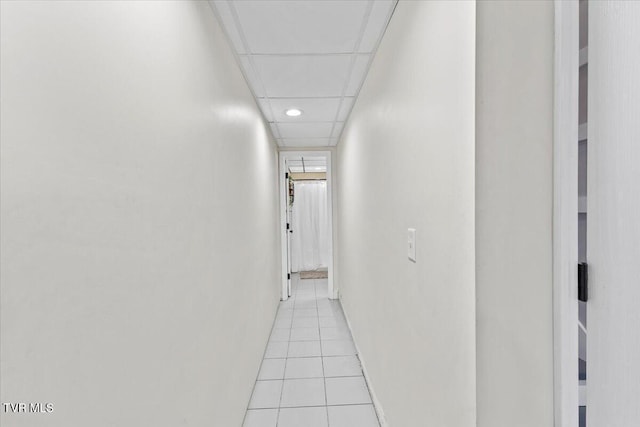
(376, 403)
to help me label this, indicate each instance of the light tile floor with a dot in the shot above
(310, 375)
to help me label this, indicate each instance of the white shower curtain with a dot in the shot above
(309, 220)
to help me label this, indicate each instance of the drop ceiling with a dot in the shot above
(312, 55)
(307, 164)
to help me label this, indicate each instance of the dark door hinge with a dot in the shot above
(583, 282)
(286, 175)
(288, 276)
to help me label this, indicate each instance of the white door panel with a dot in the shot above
(613, 227)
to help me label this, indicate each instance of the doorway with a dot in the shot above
(596, 105)
(583, 83)
(306, 218)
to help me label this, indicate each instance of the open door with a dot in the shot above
(613, 228)
(289, 226)
(306, 163)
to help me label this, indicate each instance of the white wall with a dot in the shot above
(139, 241)
(613, 250)
(514, 208)
(406, 159)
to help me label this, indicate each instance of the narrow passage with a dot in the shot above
(310, 375)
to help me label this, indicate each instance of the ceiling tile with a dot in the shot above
(376, 24)
(337, 129)
(224, 12)
(274, 130)
(251, 76)
(298, 169)
(305, 130)
(300, 54)
(266, 109)
(307, 163)
(307, 142)
(303, 76)
(313, 109)
(358, 74)
(309, 160)
(345, 108)
(301, 26)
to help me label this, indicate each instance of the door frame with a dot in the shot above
(565, 213)
(284, 194)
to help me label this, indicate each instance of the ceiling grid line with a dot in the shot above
(310, 56)
(363, 27)
(247, 48)
(218, 15)
(376, 45)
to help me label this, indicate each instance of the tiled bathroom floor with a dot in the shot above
(310, 375)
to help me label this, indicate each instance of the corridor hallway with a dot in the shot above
(143, 226)
(310, 374)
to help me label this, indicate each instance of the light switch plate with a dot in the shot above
(411, 242)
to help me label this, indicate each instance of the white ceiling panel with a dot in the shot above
(251, 76)
(312, 169)
(345, 108)
(307, 142)
(303, 76)
(301, 26)
(307, 164)
(308, 159)
(313, 109)
(305, 130)
(337, 129)
(378, 19)
(359, 72)
(266, 109)
(312, 55)
(274, 130)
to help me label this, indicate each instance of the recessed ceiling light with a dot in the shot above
(293, 112)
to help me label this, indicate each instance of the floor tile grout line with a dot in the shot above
(315, 302)
(366, 382)
(316, 378)
(285, 360)
(264, 354)
(311, 406)
(302, 301)
(324, 378)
